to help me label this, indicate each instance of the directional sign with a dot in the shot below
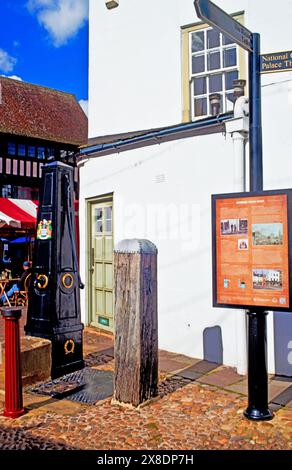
(214, 16)
(276, 62)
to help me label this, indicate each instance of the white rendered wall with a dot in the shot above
(135, 57)
(190, 168)
(135, 83)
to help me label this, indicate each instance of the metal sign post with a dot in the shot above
(255, 118)
(258, 408)
(257, 355)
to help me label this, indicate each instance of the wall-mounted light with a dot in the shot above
(239, 86)
(215, 103)
(111, 4)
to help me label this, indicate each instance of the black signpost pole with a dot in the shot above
(257, 355)
(257, 329)
(255, 117)
(257, 408)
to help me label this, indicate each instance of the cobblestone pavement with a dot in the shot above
(20, 439)
(199, 406)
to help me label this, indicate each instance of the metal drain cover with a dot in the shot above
(84, 386)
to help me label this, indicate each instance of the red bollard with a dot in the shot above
(13, 380)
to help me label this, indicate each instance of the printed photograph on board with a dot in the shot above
(242, 244)
(271, 279)
(267, 234)
(234, 226)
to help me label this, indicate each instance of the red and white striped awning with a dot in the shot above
(18, 213)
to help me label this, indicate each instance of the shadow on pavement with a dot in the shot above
(284, 397)
(185, 376)
(40, 404)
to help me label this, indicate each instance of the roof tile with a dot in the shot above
(42, 113)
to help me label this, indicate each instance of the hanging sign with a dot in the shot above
(251, 250)
(276, 62)
(218, 18)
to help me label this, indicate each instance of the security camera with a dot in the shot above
(111, 4)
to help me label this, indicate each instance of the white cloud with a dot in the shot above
(84, 106)
(7, 62)
(14, 77)
(61, 18)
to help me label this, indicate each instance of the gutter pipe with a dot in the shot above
(239, 134)
(121, 145)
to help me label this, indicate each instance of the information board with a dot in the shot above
(251, 250)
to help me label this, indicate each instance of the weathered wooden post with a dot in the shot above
(136, 333)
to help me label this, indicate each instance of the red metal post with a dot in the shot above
(13, 380)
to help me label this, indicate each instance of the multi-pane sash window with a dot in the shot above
(213, 67)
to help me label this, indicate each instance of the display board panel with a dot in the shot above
(251, 250)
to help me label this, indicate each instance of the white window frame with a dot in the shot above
(206, 73)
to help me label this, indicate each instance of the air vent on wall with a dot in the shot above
(160, 178)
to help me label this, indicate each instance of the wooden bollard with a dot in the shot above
(136, 332)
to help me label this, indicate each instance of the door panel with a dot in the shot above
(99, 300)
(102, 265)
(108, 275)
(109, 303)
(98, 248)
(98, 275)
(108, 251)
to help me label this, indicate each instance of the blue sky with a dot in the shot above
(46, 42)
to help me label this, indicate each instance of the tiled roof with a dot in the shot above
(42, 113)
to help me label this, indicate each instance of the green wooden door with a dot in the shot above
(102, 265)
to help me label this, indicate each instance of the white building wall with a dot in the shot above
(135, 58)
(135, 83)
(135, 71)
(184, 246)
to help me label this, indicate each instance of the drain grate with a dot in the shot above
(83, 386)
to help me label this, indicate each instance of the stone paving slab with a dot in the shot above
(279, 391)
(203, 367)
(221, 378)
(282, 396)
(189, 373)
(39, 404)
(169, 365)
(172, 362)
(239, 387)
(186, 361)
(97, 342)
(277, 387)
